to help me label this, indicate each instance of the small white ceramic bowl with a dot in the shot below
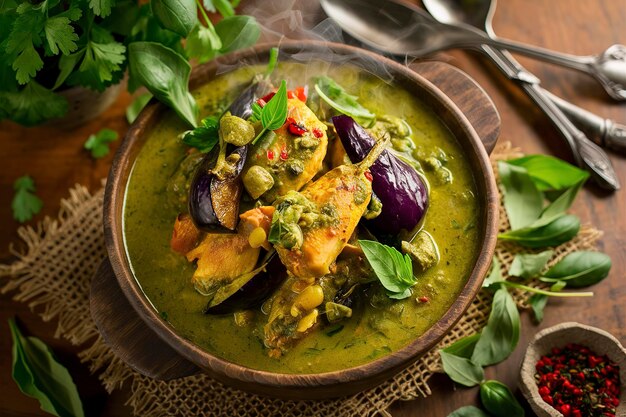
(599, 341)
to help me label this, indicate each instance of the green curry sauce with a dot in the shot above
(165, 276)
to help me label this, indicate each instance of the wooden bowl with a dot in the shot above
(599, 341)
(154, 348)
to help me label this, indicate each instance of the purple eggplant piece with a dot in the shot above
(214, 203)
(255, 291)
(398, 186)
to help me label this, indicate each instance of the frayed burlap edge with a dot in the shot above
(53, 275)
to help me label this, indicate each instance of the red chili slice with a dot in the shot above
(317, 132)
(268, 96)
(270, 155)
(283, 154)
(296, 128)
(369, 176)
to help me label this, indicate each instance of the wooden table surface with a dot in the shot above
(56, 160)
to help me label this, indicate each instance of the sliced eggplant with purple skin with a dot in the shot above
(399, 187)
(255, 291)
(214, 193)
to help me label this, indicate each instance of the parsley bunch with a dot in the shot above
(51, 45)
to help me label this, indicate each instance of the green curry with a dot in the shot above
(375, 325)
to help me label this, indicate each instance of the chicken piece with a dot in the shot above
(221, 258)
(292, 154)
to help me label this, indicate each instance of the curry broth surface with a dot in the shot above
(166, 276)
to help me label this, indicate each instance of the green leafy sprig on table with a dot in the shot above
(394, 270)
(526, 184)
(56, 44)
(38, 375)
(25, 203)
(98, 143)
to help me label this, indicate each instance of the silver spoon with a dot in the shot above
(404, 30)
(479, 14)
(373, 16)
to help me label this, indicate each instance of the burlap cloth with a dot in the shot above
(53, 276)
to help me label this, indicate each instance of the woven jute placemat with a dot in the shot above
(53, 276)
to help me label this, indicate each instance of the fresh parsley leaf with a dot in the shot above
(101, 8)
(205, 136)
(337, 98)
(38, 375)
(274, 113)
(529, 265)
(394, 270)
(33, 104)
(203, 43)
(60, 35)
(165, 73)
(21, 44)
(98, 143)
(133, 110)
(25, 203)
(100, 66)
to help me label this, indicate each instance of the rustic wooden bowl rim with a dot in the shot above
(598, 340)
(229, 371)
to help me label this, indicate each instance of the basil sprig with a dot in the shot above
(274, 113)
(499, 401)
(526, 183)
(394, 270)
(37, 374)
(528, 265)
(579, 269)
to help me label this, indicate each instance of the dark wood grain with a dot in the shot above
(56, 160)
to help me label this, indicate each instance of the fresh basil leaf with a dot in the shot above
(40, 376)
(558, 231)
(550, 173)
(468, 411)
(523, 202)
(98, 143)
(495, 274)
(337, 98)
(203, 43)
(558, 207)
(537, 303)
(461, 370)
(224, 7)
(275, 111)
(204, 137)
(529, 265)
(133, 110)
(499, 401)
(165, 73)
(237, 32)
(179, 16)
(400, 295)
(499, 338)
(257, 111)
(580, 269)
(25, 202)
(463, 347)
(394, 271)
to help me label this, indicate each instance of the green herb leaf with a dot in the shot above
(558, 207)
(463, 347)
(21, 44)
(529, 265)
(133, 110)
(537, 303)
(204, 137)
(558, 286)
(580, 269)
(237, 32)
(40, 376)
(179, 16)
(495, 274)
(271, 63)
(499, 338)
(101, 8)
(337, 98)
(203, 43)
(25, 203)
(550, 173)
(523, 202)
(60, 35)
(165, 74)
(223, 7)
(101, 64)
(498, 400)
(32, 105)
(468, 411)
(558, 231)
(257, 111)
(98, 144)
(461, 370)
(274, 113)
(394, 270)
